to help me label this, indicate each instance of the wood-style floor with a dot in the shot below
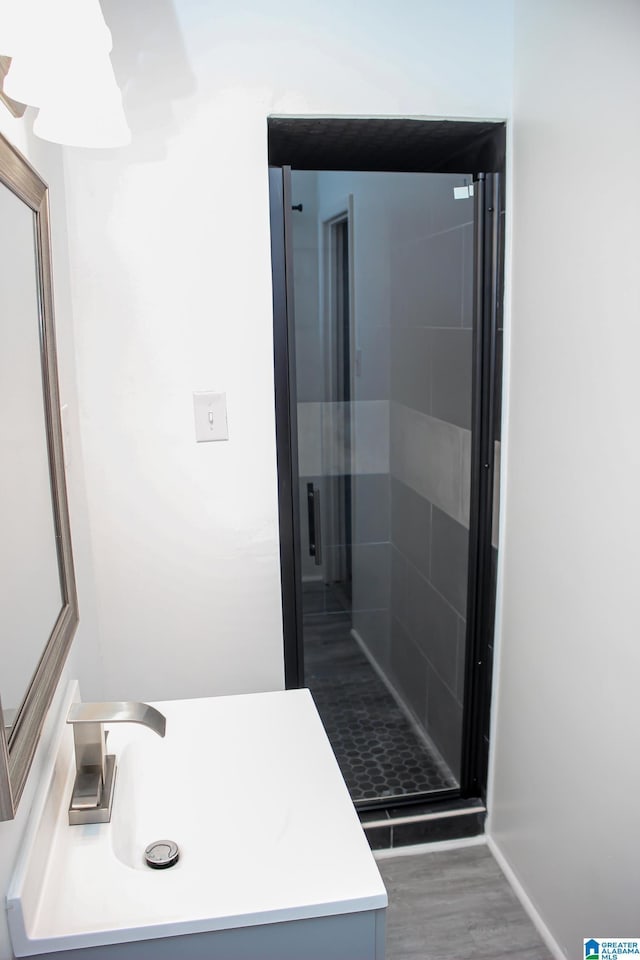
(455, 905)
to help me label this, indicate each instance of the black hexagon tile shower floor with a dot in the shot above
(379, 752)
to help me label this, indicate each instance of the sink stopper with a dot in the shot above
(161, 854)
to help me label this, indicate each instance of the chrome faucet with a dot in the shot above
(92, 796)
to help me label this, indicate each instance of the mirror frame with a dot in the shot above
(18, 746)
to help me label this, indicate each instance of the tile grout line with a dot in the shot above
(422, 817)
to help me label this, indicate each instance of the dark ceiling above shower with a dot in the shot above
(403, 145)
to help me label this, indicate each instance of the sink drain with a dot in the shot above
(161, 854)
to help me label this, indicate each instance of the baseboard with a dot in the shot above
(436, 847)
(526, 901)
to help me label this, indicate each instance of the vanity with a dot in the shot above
(273, 861)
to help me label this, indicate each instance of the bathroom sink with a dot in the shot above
(198, 796)
(249, 790)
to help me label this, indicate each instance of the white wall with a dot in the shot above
(170, 252)
(566, 776)
(82, 661)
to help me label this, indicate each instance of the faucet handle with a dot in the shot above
(92, 795)
(118, 711)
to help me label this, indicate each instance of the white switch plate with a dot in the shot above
(210, 411)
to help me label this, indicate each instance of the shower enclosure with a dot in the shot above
(383, 364)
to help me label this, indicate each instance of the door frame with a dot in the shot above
(340, 213)
(428, 147)
(284, 368)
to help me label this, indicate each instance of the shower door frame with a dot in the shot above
(450, 147)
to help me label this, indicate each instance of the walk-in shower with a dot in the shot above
(382, 279)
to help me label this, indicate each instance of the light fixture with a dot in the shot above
(87, 109)
(61, 64)
(15, 109)
(100, 123)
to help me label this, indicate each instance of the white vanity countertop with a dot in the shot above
(248, 788)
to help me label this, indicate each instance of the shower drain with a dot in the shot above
(161, 854)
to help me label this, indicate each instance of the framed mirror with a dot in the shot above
(38, 602)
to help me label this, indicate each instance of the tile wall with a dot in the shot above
(430, 448)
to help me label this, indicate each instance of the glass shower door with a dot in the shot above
(383, 336)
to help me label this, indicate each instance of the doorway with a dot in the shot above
(386, 313)
(335, 267)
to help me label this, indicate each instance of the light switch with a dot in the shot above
(210, 411)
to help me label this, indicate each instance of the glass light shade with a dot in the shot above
(60, 63)
(86, 109)
(29, 78)
(101, 124)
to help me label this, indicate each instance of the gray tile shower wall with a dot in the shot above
(371, 562)
(371, 508)
(430, 456)
(430, 268)
(411, 525)
(372, 627)
(427, 604)
(451, 354)
(449, 559)
(430, 423)
(427, 643)
(371, 586)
